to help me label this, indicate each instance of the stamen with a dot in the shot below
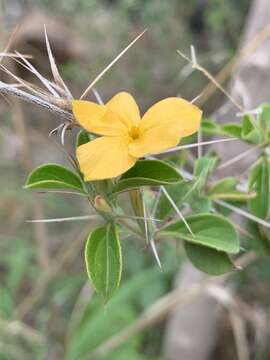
(134, 132)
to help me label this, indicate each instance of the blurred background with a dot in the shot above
(47, 307)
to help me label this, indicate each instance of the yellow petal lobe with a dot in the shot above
(126, 107)
(104, 158)
(164, 124)
(98, 119)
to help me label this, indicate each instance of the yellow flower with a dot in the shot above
(126, 136)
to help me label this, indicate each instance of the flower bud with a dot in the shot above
(101, 204)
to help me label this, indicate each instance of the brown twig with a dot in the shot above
(227, 70)
(209, 76)
(7, 89)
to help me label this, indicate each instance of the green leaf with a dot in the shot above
(200, 203)
(210, 127)
(226, 189)
(250, 133)
(247, 125)
(97, 324)
(179, 193)
(208, 260)
(147, 173)
(83, 137)
(104, 259)
(223, 186)
(259, 240)
(259, 182)
(136, 199)
(210, 230)
(53, 176)
(203, 167)
(264, 120)
(232, 129)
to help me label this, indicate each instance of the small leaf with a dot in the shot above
(208, 260)
(264, 120)
(250, 133)
(53, 176)
(259, 182)
(200, 203)
(203, 167)
(259, 240)
(222, 186)
(210, 230)
(147, 173)
(83, 137)
(103, 259)
(226, 189)
(210, 127)
(233, 129)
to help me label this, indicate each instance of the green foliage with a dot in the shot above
(209, 260)
(83, 137)
(208, 230)
(233, 129)
(178, 192)
(66, 322)
(147, 173)
(98, 324)
(203, 168)
(259, 182)
(250, 132)
(259, 240)
(137, 202)
(226, 189)
(264, 121)
(210, 127)
(213, 236)
(53, 176)
(103, 259)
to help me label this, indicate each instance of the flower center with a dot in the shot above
(134, 132)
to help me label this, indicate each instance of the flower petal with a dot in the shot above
(98, 118)
(126, 107)
(104, 158)
(154, 141)
(164, 124)
(185, 115)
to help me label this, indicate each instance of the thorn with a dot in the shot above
(43, 80)
(145, 218)
(193, 55)
(56, 130)
(154, 249)
(203, 143)
(56, 75)
(73, 218)
(63, 132)
(103, 72)
(178, 212)
(97, 96)
(196, 98)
